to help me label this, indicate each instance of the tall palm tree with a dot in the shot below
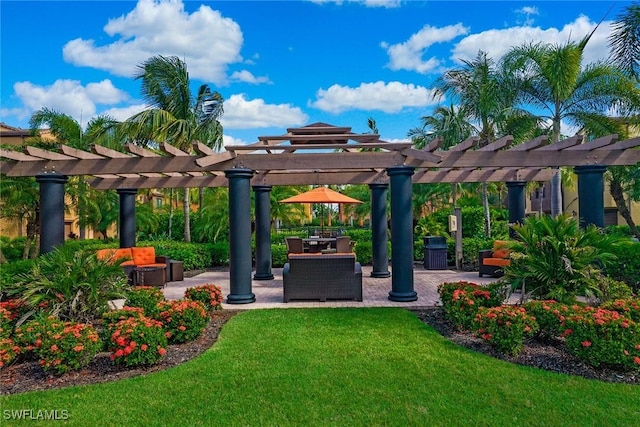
(624, 40)
(487, 98)
(176, 115)
(550, 78)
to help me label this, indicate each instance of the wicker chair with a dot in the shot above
(294, 245)
(343, 245)
(322, 277)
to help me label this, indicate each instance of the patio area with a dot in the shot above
(375, 291)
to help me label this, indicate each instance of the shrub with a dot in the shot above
(550, 316)
(8, 351)
(195, 256)
(278, 255)
(137, 341)
(611, 289)
(29, 335)
(147, 298)
(69, 348)
(17, 308)
(183, 320)
(12, 249)
(505, 327)
(461, 301)
(628, 307)
(600, 336)
(557, 259)
(209, 295)
(110, 318)
(6, 325)
(627, 268)
(10, 271)
(74, 285)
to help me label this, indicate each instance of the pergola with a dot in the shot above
(317, 154)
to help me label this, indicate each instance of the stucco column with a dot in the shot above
(263, 232)
(51, 210)
(591, 194)
(240, 236)
(516, 203)
(401, 234)
(379, 230)
(127, 215)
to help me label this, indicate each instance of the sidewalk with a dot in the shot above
(375, 291)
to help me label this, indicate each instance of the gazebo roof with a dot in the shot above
(320, 154)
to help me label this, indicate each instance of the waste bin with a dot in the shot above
(176, 271)
(435, 253)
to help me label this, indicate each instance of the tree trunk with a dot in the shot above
(186, 208)
(487, 213)
(556, 194)
(618, 197)
(81, 209)
(170, 211)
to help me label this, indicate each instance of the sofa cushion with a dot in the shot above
(500, 249)
(144, 255)
(123, 255)
(496, 262)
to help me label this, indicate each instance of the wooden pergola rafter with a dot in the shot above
(320, 154)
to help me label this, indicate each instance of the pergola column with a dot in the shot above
(516, 202)
(51, 210)
(127, 215)
(591, 194)
(379, 230)
(263, 232)
(401, 234)
(240, 236)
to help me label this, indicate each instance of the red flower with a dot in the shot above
(144, 347)
(78, 348)
(54, 348)
(636, 360)
(586, 343)
(162, 351)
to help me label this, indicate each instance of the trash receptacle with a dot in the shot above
(435, 253)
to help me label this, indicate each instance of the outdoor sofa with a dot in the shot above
(491, 261)
(141, 265)
(322, 277)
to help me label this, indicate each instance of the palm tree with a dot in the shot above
(624, 41)
(21, 201)
(451, 124)
(487, 98)
(68, 131)
(175, 115)
(550, 78)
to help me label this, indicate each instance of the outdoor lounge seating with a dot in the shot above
(140, 264)
(294, 245)
(491, 261)
(322, 277)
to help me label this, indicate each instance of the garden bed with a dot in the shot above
(551, 356)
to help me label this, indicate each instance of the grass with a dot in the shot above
(340, 367)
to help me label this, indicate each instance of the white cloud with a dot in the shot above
(69, 97)
(248, 77)
(122, 114)
(389, 97)
(207, 41)
(240, 113)
(528, 12)
(497, 42)
(409, 54)
(230, 140)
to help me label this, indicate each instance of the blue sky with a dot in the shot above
(277, 64)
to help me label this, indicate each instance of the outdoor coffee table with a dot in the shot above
(149, 276)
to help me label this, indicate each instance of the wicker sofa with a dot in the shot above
(492, 260)
(322, 277)
(140, 264)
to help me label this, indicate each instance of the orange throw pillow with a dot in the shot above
(144, 255)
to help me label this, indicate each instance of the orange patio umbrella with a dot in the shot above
(320, 195)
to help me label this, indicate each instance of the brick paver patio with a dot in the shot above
(375, 290)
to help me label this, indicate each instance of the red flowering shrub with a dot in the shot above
(550, 316)
(137, 341)
(183, 320)
(17, 307)
(505, 327)
(112, 317)
(69, 348)
(210, 295)
(628, 307)
(8, 351)
(600, 336)
(461, 301)
(29, 335)
(147, 298)
(6, 324)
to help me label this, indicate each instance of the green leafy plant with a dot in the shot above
(147, 298)
(183, 320)
(555, 259)
(68, 348)
(137, 341)
(505, 327)
(600, 336)
(6, 326)
(629, 307)
(461, 301)
(28, 336)
(209, 295)
(74, 285)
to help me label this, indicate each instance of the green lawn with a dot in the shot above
(340, 367)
